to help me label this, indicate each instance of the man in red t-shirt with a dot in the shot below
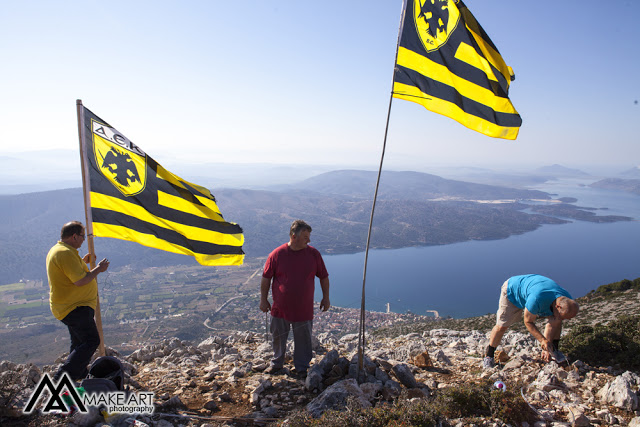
(292, 268)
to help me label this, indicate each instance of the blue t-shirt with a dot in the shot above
(535, 293)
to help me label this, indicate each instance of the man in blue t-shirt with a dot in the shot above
(536, 296)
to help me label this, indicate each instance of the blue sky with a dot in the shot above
(309, 82)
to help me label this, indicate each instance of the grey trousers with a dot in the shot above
(302, 351)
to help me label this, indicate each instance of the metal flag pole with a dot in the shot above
(361, 332)
(84, 164)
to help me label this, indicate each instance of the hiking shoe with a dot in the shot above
(299, 374)
(559, 357)
(488, 362)
(273, 370)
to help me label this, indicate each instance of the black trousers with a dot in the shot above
(85, 339)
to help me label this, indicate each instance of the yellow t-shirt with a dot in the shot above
(64, 267)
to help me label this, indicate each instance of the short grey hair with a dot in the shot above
(297, 226)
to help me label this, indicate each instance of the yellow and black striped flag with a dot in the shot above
(448, 64)
(134, 198)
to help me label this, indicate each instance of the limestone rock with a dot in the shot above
(404, 375)
(335, 397)
(442, 358)
(635, 422)
(501, 357)
(619, 392)
(422, 360)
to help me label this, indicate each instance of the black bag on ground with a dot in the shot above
(106, 374)
(98, 385)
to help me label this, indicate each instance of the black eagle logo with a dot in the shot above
(439, 16)
(121, 164)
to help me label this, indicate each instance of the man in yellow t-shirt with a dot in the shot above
(73, 294)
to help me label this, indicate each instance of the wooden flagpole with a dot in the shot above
(361, 332)
(84, 164)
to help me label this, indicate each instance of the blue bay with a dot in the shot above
(463, 279)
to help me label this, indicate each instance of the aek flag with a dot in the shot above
(448, 64)
(134, 198)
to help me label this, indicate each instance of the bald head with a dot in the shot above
(567, 308)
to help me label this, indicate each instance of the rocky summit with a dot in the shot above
(221, 381)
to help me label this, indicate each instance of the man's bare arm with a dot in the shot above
(88, 278)
(325, 303)
(265, 285)
(530, 323)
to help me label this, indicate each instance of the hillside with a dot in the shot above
(628, 185)
(601, 306)
(430, 376)
(30, 224)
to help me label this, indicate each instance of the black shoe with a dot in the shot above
(273, 370)
(299, 374)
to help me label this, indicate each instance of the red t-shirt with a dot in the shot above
(293, 274)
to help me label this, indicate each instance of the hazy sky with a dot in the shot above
(309, 82)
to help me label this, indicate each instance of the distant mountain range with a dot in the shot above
(632, 173)
(30, 171)
(407, 185)
(413, 209)
(561, 171)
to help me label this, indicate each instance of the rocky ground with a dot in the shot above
(221, 380)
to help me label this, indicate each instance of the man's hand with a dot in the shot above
(88, 258)
(264, 305)
(90, 276)
(102, 265)
(547, 349)
(265, 284)
(324, 284)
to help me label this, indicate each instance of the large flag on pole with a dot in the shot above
(134, 198)
(448, 64)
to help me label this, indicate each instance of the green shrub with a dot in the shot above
(482, 400)
(620, 286)
(617, 343)
(471, 401)
(457, 402)
(401, 413)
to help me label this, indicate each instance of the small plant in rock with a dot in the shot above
(483, 400)
(509, 407)
(401, 413)
(458, 402)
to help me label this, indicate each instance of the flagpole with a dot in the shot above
(86, 190)
(361, 332)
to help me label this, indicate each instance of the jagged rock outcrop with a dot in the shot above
(224, 377)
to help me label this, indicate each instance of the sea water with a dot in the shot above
(464, 279)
